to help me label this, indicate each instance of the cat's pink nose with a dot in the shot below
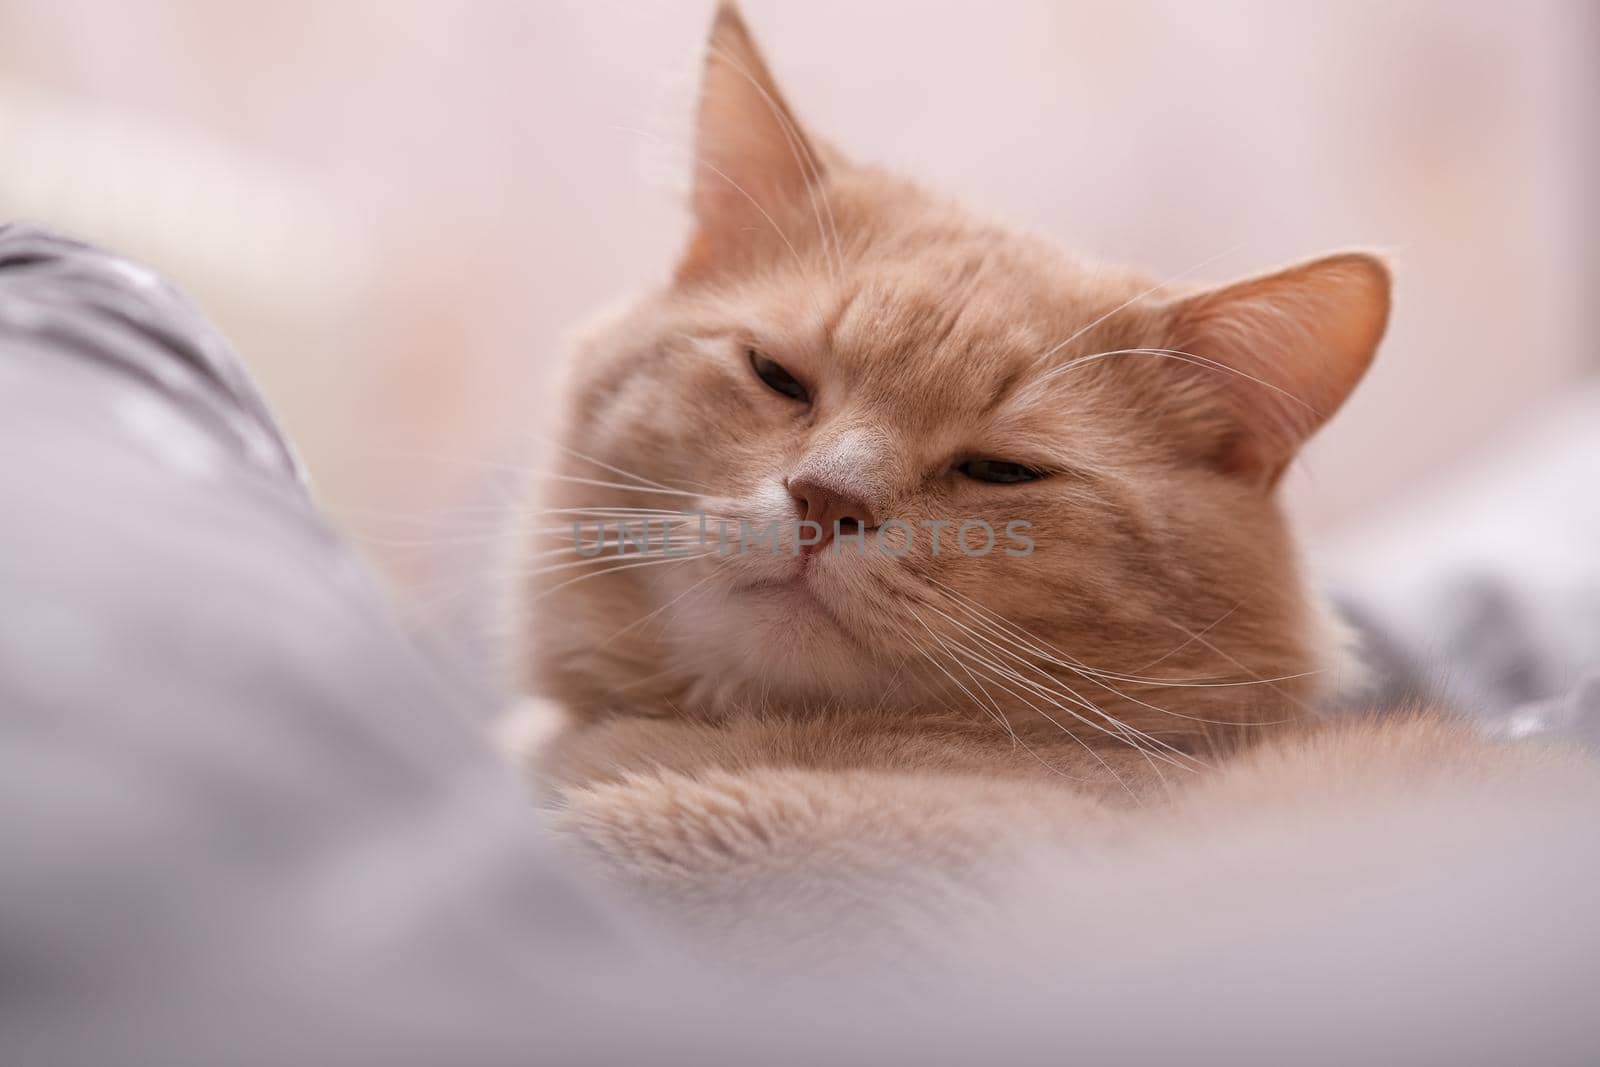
(825, 505)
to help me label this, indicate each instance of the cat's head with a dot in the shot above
(838, 344)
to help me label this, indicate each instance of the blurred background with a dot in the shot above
(397, 209)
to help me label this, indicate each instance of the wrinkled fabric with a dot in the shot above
(241, 816)
(1482, 592)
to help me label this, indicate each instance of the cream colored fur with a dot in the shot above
(827, 754)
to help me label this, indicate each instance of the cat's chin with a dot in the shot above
(779, 636)
(790, 604)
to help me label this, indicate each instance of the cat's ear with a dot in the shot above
(752, 160)
(1285, 350)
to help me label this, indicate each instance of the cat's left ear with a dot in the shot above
(753, 162)
(1284, 350)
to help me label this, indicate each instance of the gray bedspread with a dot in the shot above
(1483, 590)
(242, 818)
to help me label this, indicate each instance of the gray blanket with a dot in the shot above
(1483, 591)
(241, 816)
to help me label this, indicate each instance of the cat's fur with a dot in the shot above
(775, 740)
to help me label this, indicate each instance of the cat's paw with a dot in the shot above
(766, 864)
(827, 859)
(664, 826)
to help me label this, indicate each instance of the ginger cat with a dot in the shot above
(868, 726)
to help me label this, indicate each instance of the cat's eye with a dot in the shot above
(776, 378)
(998, 470)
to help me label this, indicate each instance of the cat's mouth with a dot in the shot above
(793, 593)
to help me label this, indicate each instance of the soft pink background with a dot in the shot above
(396, 209)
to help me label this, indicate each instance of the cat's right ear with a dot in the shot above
(752, 160)
(1283, 351)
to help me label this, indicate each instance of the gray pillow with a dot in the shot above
(241, 816)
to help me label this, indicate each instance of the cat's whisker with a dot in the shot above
(1096, 678)
(1054, 655)
(622, 511)
(624, 472)
(988, 706)
(1121, 733)
(1181, 683)
(574, 479)
(664, 607)
(623, 523)
(598, 559)
(1117, 727)
(803, 157)
(896, 681)
(493, 527)
(1067, 732)
(1039, 384)
(589, 543)
(1204, 263)
(701, 161)
(655, 561)
(533, 470)
(1218, 621)
(1022, 638)
(1136, 738)
(1165, 683)
(993, 713)
(611, 548)
(1054, 681)
(518, 573)
(1269, 682)
(1124, 695)
(633, 527)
